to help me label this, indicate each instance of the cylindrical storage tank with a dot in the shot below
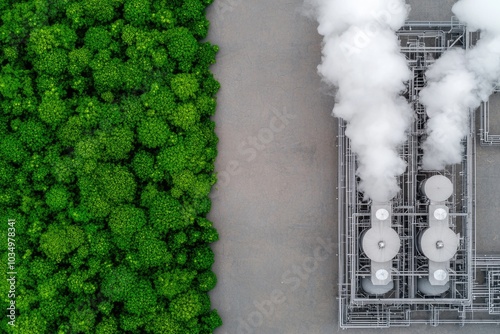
(361, 236)
(372, 289)
(438, 243)
(419, 238)
(428, 289)
(437, 188)
(381, 243)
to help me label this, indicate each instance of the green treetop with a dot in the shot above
(182, 46)
(57, 198)
(187, 306)
(166, 213)
(46, 38)
(60, 240)
(53, 62)
(97, 38)
(153, 132)
(172, 283)
(185, 86)
(53, 109)
(151, 251)
(137, 12)
(125, 221)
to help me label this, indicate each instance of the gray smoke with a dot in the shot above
(361, 57)
(459, 81)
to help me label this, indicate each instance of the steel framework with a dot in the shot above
(487, 138)
(474, 293)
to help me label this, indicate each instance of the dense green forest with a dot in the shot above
(106, 162)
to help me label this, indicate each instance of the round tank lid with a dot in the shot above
(381, 243)
(382, 214)
(382, 274)
(439, 243)
(438, 188)
(440, 275)
(440, 214)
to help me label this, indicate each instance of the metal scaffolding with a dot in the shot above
(472, 290)
(487, 138)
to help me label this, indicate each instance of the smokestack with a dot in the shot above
(459, 81)
(361, 57)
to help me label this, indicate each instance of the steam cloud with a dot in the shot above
(459, 81)
(361, 57)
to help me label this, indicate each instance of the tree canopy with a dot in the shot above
(106, 163)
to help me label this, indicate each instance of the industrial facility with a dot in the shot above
(413, 259)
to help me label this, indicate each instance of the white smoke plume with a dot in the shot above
(459, 81)
(361, 57)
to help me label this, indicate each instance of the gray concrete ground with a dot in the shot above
(430, 10)
(495, 111)
(488, 188)
(275, 203)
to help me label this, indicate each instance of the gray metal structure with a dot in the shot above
(488, 138)
(448, 284)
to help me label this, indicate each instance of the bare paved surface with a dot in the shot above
(488, 188)
(495, 112)
(275, 204)
(430, 10)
